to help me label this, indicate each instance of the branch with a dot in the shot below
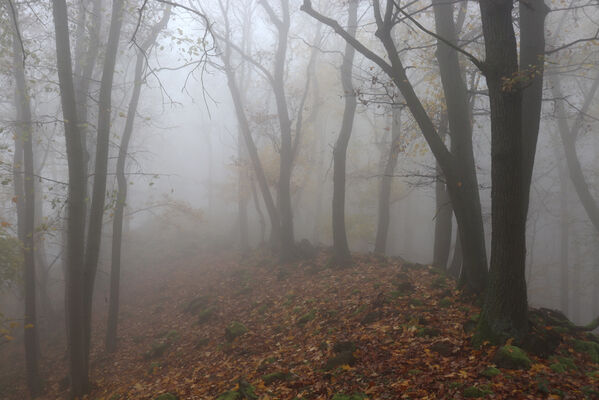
(479, 64)
(573, 43)
(356, 44)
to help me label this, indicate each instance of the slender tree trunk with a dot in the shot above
(505, 311)
(564, 238)
(443, 215)
(25, 193)
(456, 262)
(341, 254)
(463, 189)
(117, 222)
(76, 206)
(258, 211)
(383, 211)
(101, 168)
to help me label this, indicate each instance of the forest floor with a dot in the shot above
(379, 329)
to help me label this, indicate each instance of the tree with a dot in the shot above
(458, 171)
(25, 193)
(75, 277)
(341, 253)
(117, 222)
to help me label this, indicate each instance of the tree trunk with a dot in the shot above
(78, 367)
(456, 262)
(94, 234)
(25, 193)
(117, 222)
(341, 254)
(443, 214)
(383, 211)
(564, 265)
(463, 189)
(505, 311)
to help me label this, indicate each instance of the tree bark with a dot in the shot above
(443, 213)
(341, 254)
(25, 193)
(117, 222)
(78, 367)
(505, 311)
(465, 197)
(383, 210)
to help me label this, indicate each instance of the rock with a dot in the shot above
(340, 347)
(343, 358)
(490, 372)
(589, 348)
(443, 347)
(512, 357)
(234, 330)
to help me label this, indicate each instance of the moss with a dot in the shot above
(340, 347)
(484, 333)
(234, 330)
(230, 395)
(206, 314)
(196, 304)
(414, 372)
(416, 302)
(456, 385)
(360, 309)
(172, 336)
(157, 350)
(490, 372)
(201, 342)
(475, 392)
(445, 302)
(304, 319)
(343, 358)
(276, 376)
(167, 396)
(355, 396)
(557, 367)
(589, 348)
(153, 368)
(512, 357)
(439, 283)
(562, 364)
(593, 375)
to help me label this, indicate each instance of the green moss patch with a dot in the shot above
(304, 319)
(490, 372)
(512, 357)
(157, 350)
(167, 396)
(589, 348)
(475, 392)
(234, 330)
(276, 377)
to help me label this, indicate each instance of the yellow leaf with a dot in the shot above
(28, 326)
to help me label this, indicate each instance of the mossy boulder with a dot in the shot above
(342, 358)
(234, 330)
(279, 376)
(475, 392)
(206, 314)
(589, 348)
(304, 319)
(490, 372)
(167, 396)
(563, 364)
(355, 396)
(512, 357)
(157, 350)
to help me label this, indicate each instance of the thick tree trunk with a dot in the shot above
(25, 193)
(383, 210)
(341, 254)
(94, 233)
(463, 189)
(117, 222)
(78, 366)
(505, 311)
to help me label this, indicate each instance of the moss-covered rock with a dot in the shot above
(230, 395)
(342, 358)
(563, 364)
(370, 317)
(490, 372)
(428, 332)
(276, 377)
(206, 314)
(304, 319)
(355, 396)
(589, 348)
(475, 392)
(234, 330)
(157, 350)
(512, 357)
(415, 372)
(340, 347)
(167, 396)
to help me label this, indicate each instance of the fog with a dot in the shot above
(170, 142)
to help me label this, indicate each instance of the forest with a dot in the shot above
(299, 199)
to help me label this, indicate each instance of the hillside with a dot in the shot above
(216, 326)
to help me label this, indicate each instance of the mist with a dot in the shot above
(229, 199)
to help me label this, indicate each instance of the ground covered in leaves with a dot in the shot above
(222, 328)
